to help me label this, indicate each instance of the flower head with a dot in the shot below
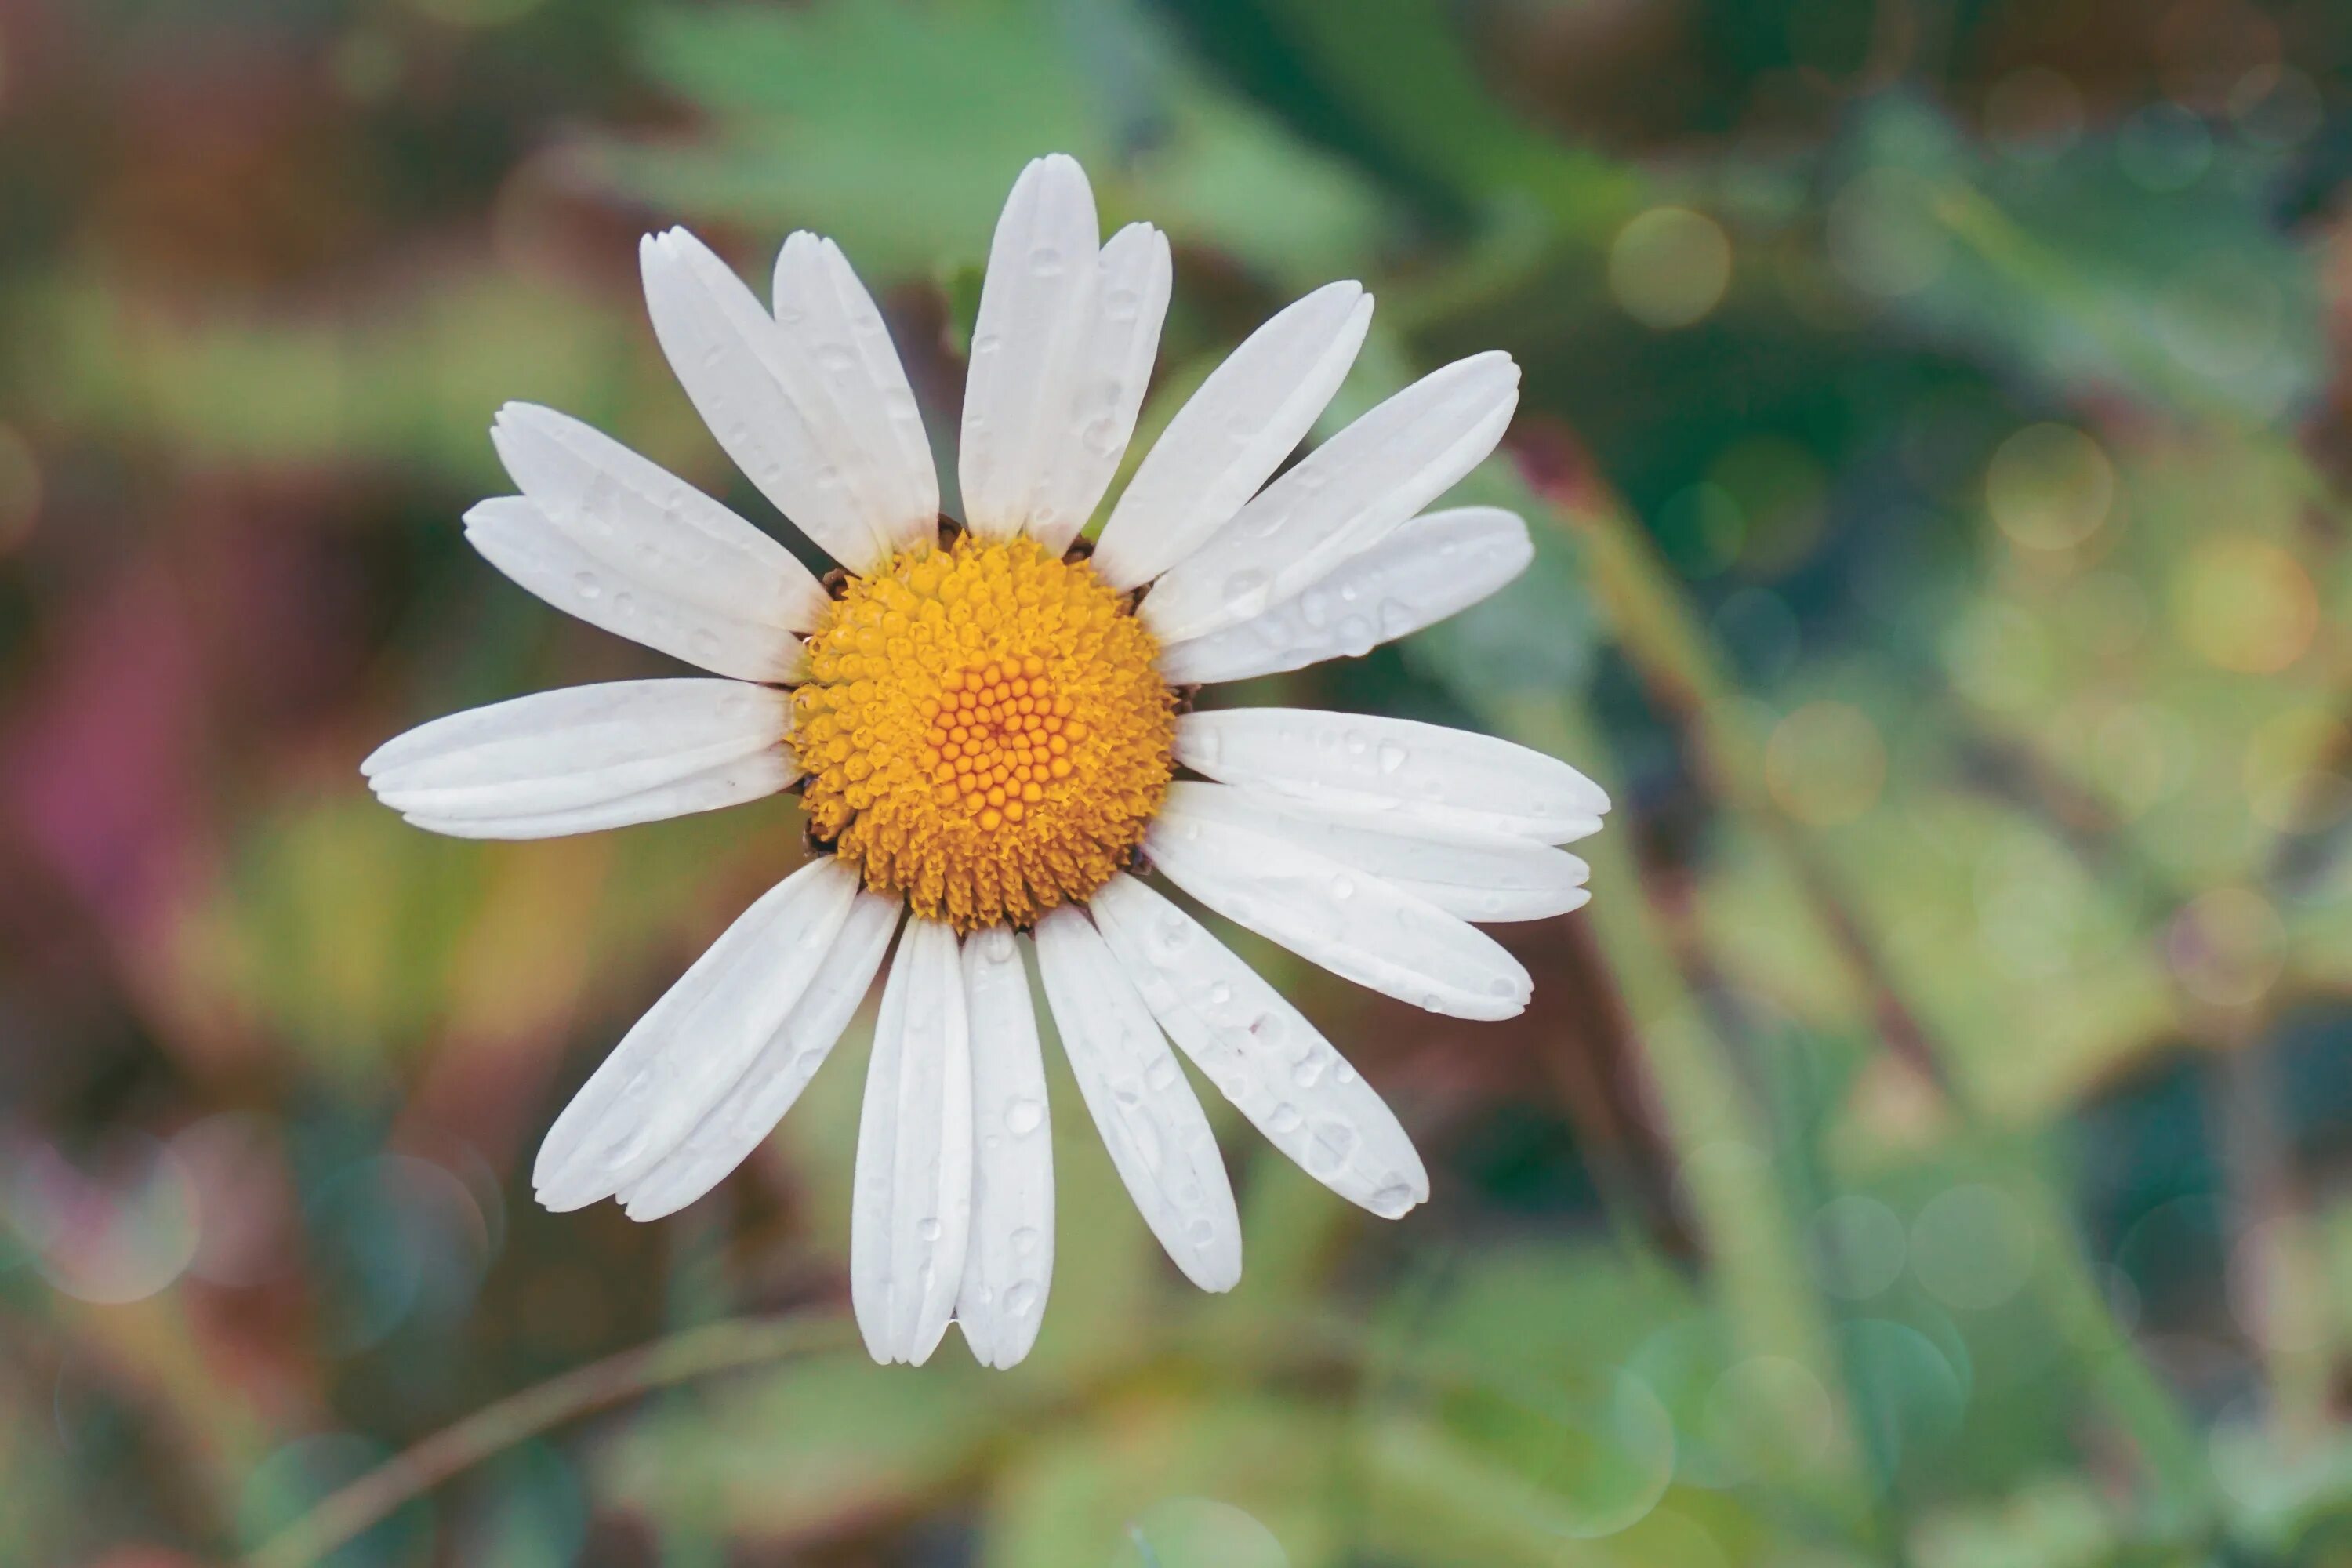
(986, 723)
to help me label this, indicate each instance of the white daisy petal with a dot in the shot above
(830, 321)
(1434, 566)
(1422, 773)
(1261, 1051)
(647, 529)
(1029, 342)
(692, 1047)
(1246, 417)
(1130, 303)
(588, 756)
(1009, 1264)
(714, 789)
(750, 1110)
(514, 536)
(764, 402)
(912, 1210)
(1344, 498)
(1150, 1119)
(1477, 876)
(1352, 923)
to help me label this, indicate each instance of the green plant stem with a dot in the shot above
(681, 1358)
(1672, 653)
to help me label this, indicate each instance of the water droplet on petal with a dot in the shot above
(1024, 1116)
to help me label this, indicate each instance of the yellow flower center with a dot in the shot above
(984, 730)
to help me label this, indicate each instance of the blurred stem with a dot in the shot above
(2278, 1284)
(1671, 652)
(717, 1347)
(1751, 1240)
(2001, 243)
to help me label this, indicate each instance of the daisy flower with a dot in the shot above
(987, 722)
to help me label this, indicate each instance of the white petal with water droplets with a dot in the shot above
(1029, 342)
(1421, 773)
(1477, 876)
(748, 1112)
(1352, 923)
(516, 538)
(1009, 1264)
(1434, 566)
(1234, 431)
(692, 1047)
(1130, 302)
(829, 320)
(1261, 1051)
(765, 403)
(1344, 498)
(588, 756)
(649, 527)
(1150, 1120)
(911, 1216)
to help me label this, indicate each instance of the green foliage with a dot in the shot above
(1922, 1150)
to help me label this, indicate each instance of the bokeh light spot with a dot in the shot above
(1669, 267)
(1857, 1246)
(1825, 764)
(2293, 775)
(2246, 604)
(1701, 529)
(117, 1227)
(2050, 487)
(1972, 1247)
(2276, 106)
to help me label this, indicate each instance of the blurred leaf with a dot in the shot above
(2069, 266)
(809, 1448)
(1076, 1495)
(974, 89)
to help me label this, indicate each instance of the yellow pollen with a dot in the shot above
(984, 730)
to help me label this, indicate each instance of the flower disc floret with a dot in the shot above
(984, 730)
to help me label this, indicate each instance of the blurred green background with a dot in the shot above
(1931, 1146)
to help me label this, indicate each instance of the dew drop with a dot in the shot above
(1392, 756)
(1121, 304)
(1203, 1232)
(1309, 1071)
(1024, 1116)
(1045, 262)
(1343, 888)
(1161, 1075)
(1025, 1241)
(929, 1230)
(1022, 1299)
(1246, 592)
(1283, 1118)
(588, 585)
(1219, 994)
(1392, 1200)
